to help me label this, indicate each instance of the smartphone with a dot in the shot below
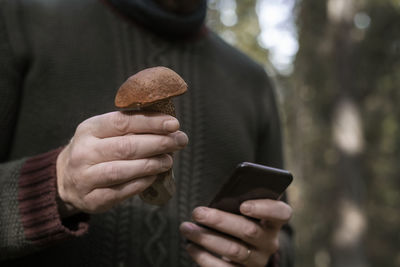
(251, 181)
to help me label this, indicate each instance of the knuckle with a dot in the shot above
(251, 232)
(133, 147)
(150, 165)
(74, 182)
(214, 217)
(77, 155)
(196, 214)
(125, 148)
(165, 143)
(233, 251)
(205, 215)
(111, 173)
(120, 122)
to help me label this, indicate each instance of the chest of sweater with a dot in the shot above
(72, 78)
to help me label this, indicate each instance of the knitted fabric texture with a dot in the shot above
(65, 60)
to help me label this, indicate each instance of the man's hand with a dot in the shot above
(114, 156)
(237, 239)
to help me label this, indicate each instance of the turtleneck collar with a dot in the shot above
(150, 15)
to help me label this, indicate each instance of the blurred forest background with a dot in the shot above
(336, 66)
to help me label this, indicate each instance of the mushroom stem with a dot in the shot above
(163, 188)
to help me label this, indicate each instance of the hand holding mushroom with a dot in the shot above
(115, 156)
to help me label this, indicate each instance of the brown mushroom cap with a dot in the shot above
(148, 87)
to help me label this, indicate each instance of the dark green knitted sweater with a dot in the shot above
(61, 62)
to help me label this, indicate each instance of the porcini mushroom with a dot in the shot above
(151, 90)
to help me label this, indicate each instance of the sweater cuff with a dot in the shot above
(37, 198)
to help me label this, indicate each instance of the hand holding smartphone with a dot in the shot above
(251, 181)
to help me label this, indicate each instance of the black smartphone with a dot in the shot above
(251, 181)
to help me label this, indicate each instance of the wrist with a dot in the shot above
(64, 207)
(38, 207)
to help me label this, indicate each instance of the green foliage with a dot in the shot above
(243, 34)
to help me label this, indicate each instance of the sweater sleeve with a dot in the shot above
(270, 153)
(29, 217)
(37, 198)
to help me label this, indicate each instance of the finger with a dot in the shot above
(238, 226)
(120, 123)
(112, 173)
(204, 258)
(274, 211)
(138, 146)
(219, 244)
(102, 199)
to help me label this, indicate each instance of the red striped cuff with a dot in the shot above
(38, 206)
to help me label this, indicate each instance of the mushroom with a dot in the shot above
(151, 90)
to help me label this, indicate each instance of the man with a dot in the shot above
(72, 166)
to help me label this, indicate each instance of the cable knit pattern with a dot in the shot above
(198, 153)
(37, 201)
(190, 157)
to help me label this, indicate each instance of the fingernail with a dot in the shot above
(246, 208)
(171, 125)
(181, 139)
